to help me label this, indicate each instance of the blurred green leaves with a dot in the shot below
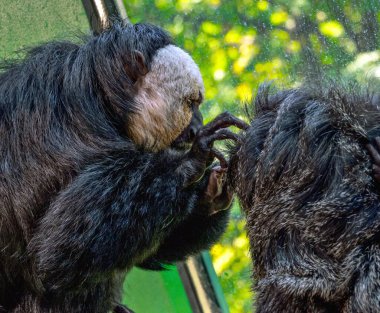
(232, 264)
(331, 29)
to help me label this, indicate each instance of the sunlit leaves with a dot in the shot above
(271, 69)
(224, 259)
(162, 4)
(263, 5)
(244, 92)
(233, 36)
(331, 29)
(278, 17)
(214, 3)
(219, 63)
(246, 54)
(219, 74)
(186, 5)
(243, 40)
(211, 28)
(293, 46)
(290, 24)
(176, 27)
(233, 266)
(280, 34)
(365, 65)
(321, 16)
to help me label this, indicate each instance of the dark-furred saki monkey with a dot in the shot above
(94, 174)
(304, 178)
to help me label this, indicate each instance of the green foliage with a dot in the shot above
(232, 264)
(239, 44)
(27, 23)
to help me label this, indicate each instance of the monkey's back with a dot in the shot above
(52, 125)
(304, 179)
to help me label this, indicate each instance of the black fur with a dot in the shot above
(80, 203)
(303, 176)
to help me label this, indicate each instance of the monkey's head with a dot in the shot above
(303, 173)
(169, 96)
(153, 88)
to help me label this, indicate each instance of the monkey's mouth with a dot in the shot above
(182, 143)
(184, 140)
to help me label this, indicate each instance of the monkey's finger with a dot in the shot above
(215, 184)
(221, 173)
(223, 134)
(373, 153)
(224, 200)
(220, 157)
(219, 169)
(224, 120)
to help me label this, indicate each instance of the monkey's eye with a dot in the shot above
(190, 103)
(193, 103)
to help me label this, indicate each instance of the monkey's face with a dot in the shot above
(186, 138)
(168, 101)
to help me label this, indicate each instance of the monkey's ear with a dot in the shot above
(137, 67)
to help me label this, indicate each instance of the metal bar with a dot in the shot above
(215, 282)
(121, 9)
(199, 286)
(189, 287)
(100, 13)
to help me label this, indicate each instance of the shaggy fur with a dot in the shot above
(80, 202)
(303, 177)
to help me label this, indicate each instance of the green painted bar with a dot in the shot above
(154, 292)
(215, 282)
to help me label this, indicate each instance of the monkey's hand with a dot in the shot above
(218, 194)
(202, 227)
(374, 152)
(203, 152)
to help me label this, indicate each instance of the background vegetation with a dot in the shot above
(239, 44)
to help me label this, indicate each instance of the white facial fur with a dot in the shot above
(173, 79)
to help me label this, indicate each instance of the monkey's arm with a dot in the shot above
(201, 228)
(194, 235)
(113, 213)
(119, 209)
